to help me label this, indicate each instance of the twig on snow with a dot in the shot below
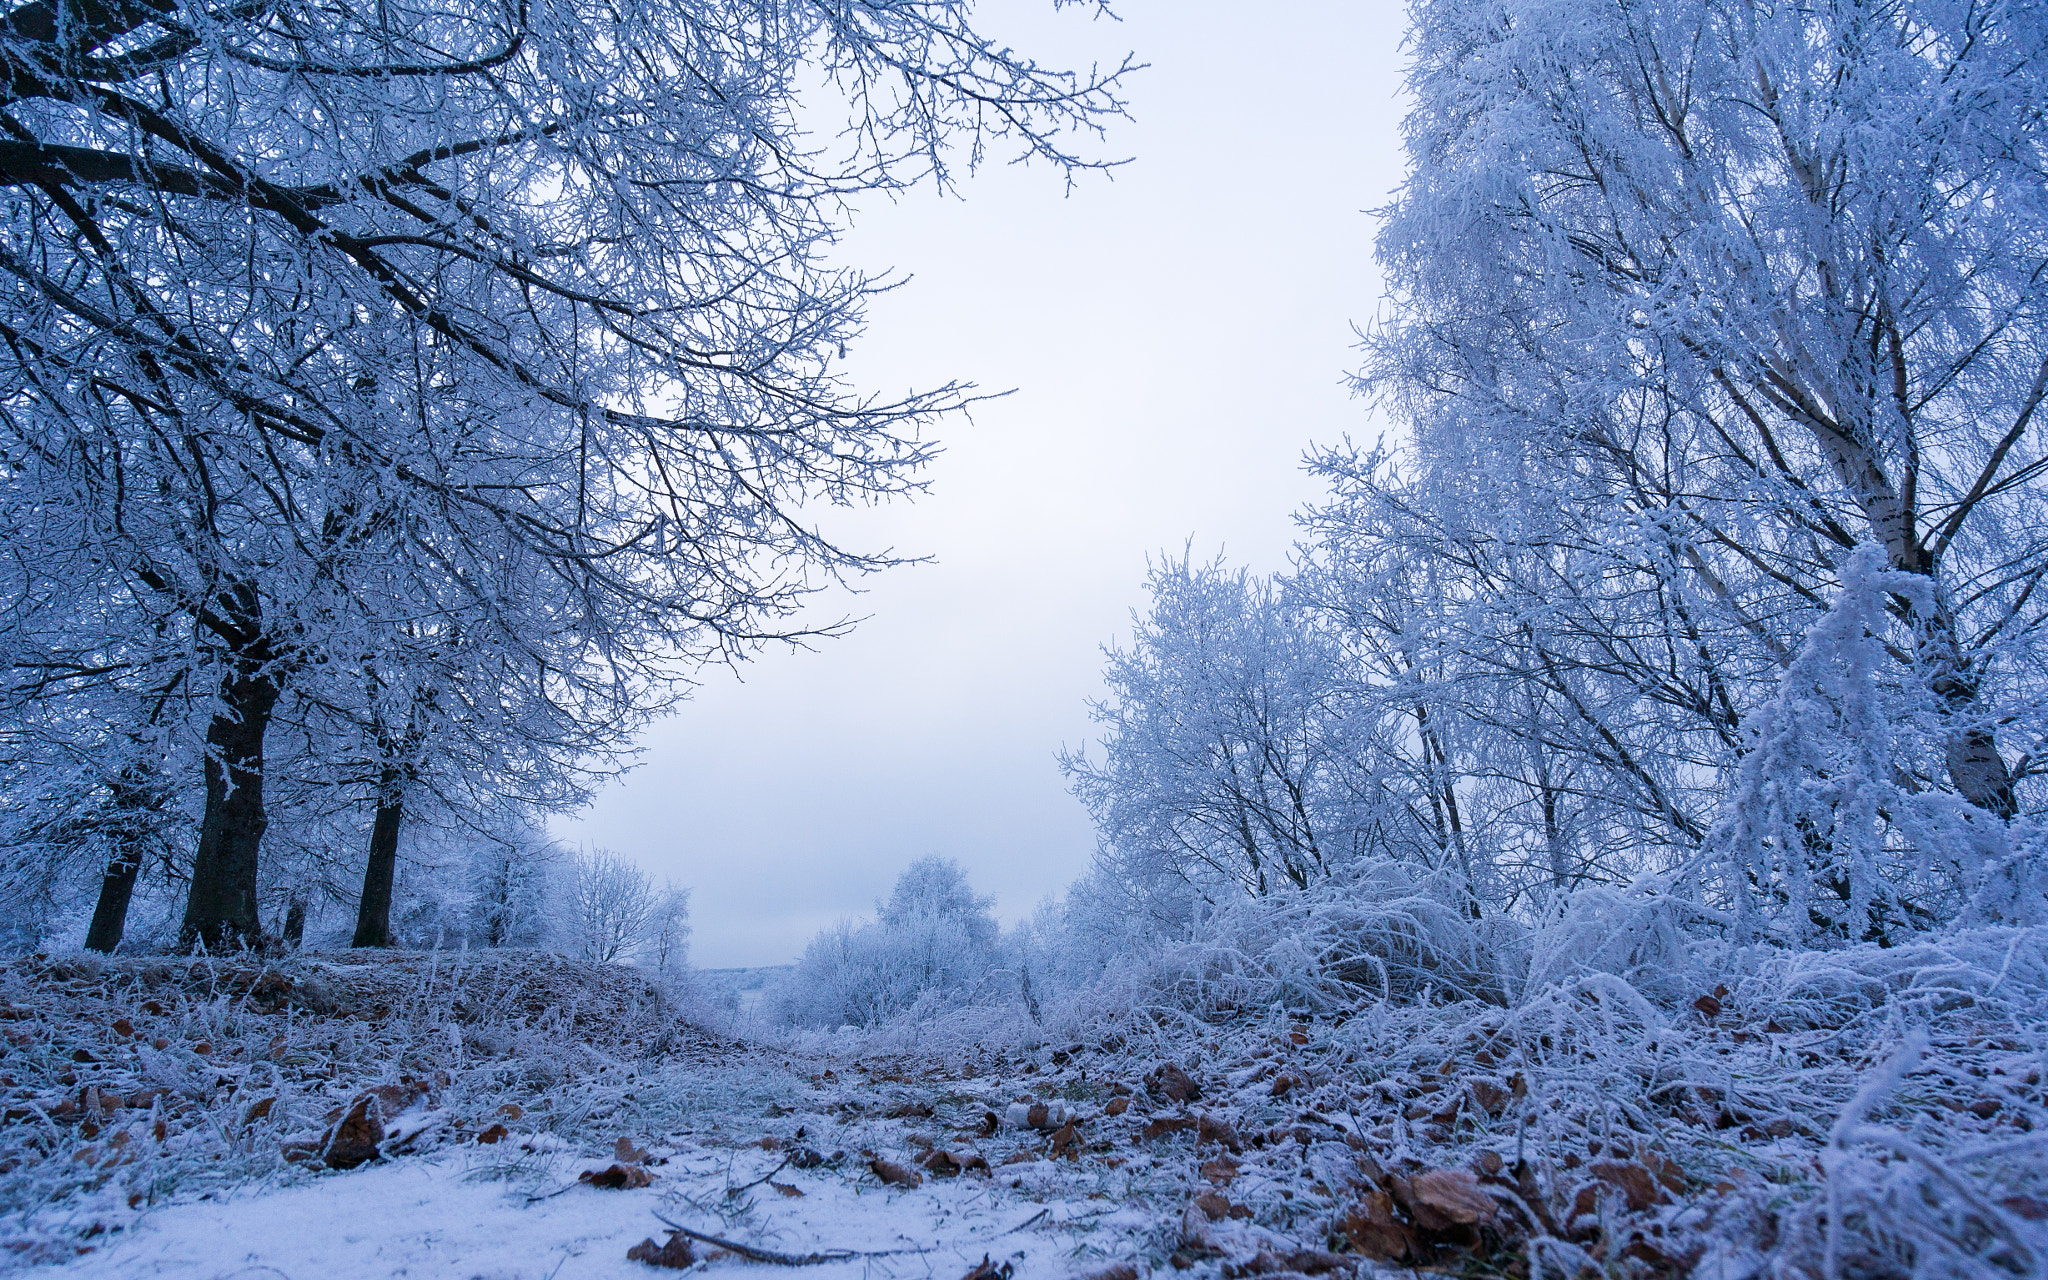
(549, 1195)
(730, 1192)
(1027, 1222)
(752, 1254)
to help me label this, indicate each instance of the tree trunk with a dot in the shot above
(221, 909)
(134, 796)
(110, 914)
(373, 914)
(295, 923)
(1975, 768)
(1980, 773)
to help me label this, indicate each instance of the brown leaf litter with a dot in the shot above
(616, 1177)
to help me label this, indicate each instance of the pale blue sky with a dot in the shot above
(1176, 336)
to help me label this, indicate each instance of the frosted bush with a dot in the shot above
(932, 947)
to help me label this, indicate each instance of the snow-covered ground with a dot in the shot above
(179, 1120)
(452, 1215)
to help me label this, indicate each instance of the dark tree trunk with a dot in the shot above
(135, 796)
(221, 910)
(295, 923)
(110, 914)
(373, 915)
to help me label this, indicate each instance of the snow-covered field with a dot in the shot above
(516, 1115)
(212, 1099)
(455, 1214)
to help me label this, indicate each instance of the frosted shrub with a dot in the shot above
(1642, 933)
(1386, 931)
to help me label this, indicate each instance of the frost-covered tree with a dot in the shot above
(1826, 839)
(517, 881)
(666, 948)
(321, 323)
(612, 903)
(1572, 701)
(1224, 767)
(1724, 292)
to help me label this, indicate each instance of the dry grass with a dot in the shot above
(129, 1080)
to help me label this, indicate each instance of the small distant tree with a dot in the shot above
(611, 906)
(667, 949)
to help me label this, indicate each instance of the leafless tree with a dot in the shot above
(611, 907)
(493, 334)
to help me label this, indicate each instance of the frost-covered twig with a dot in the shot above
(753, 1254)
(730, 1192)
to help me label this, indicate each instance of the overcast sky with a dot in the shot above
(1175, 337)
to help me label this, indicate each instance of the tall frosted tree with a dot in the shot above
(1702, 297)
(502, 326)
(1225, 766)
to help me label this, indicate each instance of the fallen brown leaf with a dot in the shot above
(1222, 1171)
(895, 1174)
(1209, 1129)
(1172, 1084)
(1066, 1141)
(1116, 1107)
(1164, 1125)
(675, 1255)
(986, 1270)
(1443, 1199)
(353, 1139)
(626, 1153)
(617, 1177)
(1216, 1206)
(1373, 1230)
(1492, 1099)
(1635, 1183)
(496, 1133)
(949, 1164)
(786, 1190)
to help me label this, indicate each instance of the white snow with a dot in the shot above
(445, 1217)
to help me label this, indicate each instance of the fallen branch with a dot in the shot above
(752, 1254)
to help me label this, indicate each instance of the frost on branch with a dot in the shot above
(1828, 836)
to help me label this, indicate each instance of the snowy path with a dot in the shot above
(437, 1218)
